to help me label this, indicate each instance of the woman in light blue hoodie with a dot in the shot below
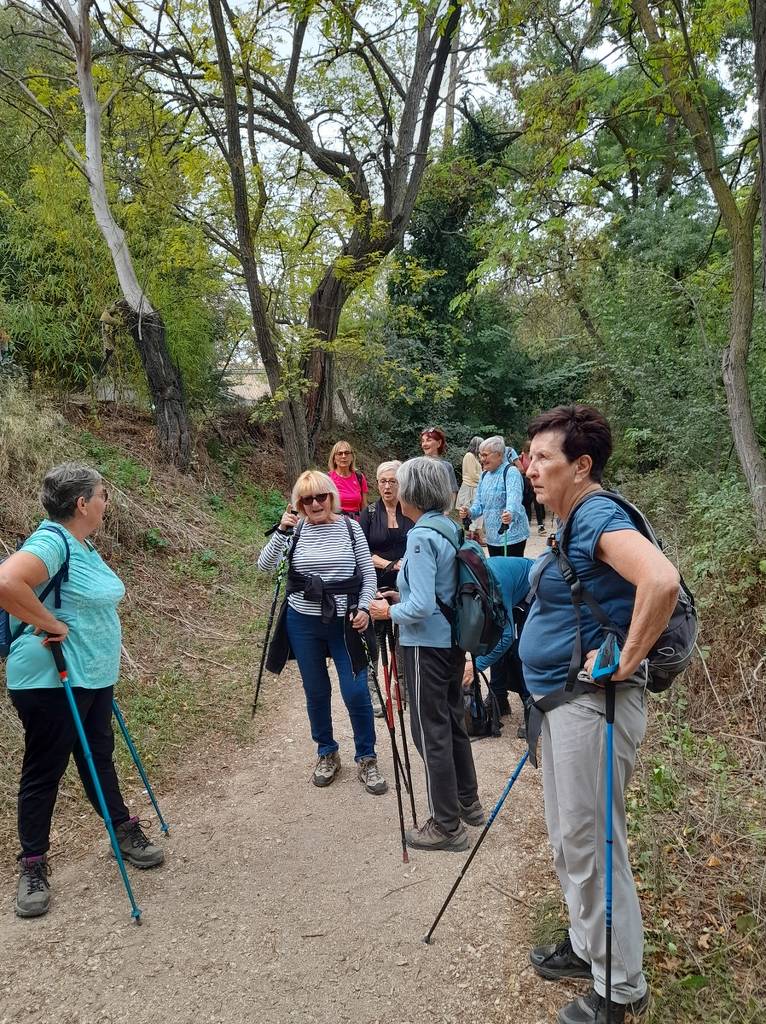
(433, 663)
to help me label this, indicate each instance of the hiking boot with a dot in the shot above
(561, 961)
(432, 836)
(33, 896)
(591, 1009)
(521, 732)
(136, 847)
(370, 777)
(503, 707)
(541, 529)
(327, 767)
(473, 814)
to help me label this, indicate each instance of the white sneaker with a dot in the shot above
(327, 767)
(370, 777)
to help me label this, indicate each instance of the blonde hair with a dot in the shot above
(333, 450)
(314, 482)
(387, 467)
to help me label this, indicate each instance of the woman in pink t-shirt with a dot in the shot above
(351, 484)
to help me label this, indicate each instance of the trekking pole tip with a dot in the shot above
(427, 939)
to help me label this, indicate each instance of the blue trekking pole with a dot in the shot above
(139, 764)
(606, 664)
(58, 657)
(479, 841)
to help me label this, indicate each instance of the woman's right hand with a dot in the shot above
(289, 520)
(56, 635)
(463, 511)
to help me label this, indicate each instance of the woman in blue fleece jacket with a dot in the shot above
(433, 664)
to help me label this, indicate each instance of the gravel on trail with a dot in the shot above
(280, 902)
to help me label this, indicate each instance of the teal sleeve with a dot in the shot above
(49, 547)
(420, 603)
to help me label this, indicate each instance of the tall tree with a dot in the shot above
(672, 53)
(69, 27)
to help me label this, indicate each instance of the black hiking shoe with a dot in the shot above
(473, 814)
(503, 707)
(556, 962)
(33, 896)
(136, 847)
(591, 1009)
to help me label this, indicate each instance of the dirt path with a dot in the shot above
(280, 902)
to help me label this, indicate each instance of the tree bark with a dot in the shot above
(145, 324)
(758, 13)
(293, 416)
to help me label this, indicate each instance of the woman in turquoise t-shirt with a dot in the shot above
(84, 620)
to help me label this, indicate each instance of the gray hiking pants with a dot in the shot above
(437, 720)
(574, 742)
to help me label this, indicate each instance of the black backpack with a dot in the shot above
(7, 635)
(482, 714)
(674, 649)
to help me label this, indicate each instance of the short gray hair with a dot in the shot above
(387, 467)
(63, 485)
(496, 444)
(425, 484)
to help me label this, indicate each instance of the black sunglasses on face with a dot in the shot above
(309, 499)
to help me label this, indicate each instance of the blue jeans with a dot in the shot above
(310, 641)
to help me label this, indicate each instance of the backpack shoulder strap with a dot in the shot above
(444, 531)
(62, 574)
(350, 528)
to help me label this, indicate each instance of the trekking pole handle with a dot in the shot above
(58, 658)
(607, 659)
(503, 528)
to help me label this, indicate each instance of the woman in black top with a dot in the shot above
(385, 526)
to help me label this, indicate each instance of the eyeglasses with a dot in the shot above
(386, 482)
(345, 451)
(308, 500)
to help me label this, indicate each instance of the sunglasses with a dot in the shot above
(344, 451)
(308, 500)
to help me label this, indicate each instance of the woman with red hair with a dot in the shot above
(433, 441)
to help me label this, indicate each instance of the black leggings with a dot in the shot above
(514, 550)
(49, 738)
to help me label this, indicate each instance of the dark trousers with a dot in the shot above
(539, 509)
(49, 738)
(437, 722)
(513, 551)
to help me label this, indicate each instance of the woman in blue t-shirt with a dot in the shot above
(85, 622)
(637, 587)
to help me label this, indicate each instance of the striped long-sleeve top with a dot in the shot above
(325, 550)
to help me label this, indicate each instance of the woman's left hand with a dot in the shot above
(379, 609)
(506, 518)
(361, 620)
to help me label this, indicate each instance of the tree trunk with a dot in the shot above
(146, 325)
(758, 12)
(293, 416)
(325, 308)
(449, 109)
(171, 422)
(734, 365)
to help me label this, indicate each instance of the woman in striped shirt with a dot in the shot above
(330, 574)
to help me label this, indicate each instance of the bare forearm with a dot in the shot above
(21, 602)
(652, 610)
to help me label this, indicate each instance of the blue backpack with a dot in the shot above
(7, 635)
(477, 615)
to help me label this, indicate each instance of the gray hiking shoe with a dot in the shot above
(473, 814)
(136, 847)
(327, 767)
(370, 777)
(33, 896)
(432, 836)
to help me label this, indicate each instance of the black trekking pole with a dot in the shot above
(606, 664)
(280, 576)
(58, 657)
(165, 828)
(390, 723)
(388, 673)
(479, 841)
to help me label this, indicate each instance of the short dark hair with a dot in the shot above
(586, 431)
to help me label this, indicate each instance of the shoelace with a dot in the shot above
(37, 880)
(138, 838)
